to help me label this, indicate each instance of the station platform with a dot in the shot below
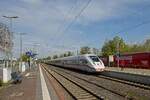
(35, 86)
(129, 70)
(21, 91)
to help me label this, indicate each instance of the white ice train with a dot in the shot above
(87, 63)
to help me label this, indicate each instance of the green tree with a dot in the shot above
(49, 58)
(146, 45)
(111, 47)
(55, 57)
(69, 53)
(135, 48)
(85, 50)
(65, 54)
(25, 58)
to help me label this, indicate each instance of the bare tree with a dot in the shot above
(6, 42)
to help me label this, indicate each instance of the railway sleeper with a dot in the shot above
(122, 92)
(92, 88)
(73, 88)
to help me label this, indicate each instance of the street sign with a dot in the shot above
(31, 54)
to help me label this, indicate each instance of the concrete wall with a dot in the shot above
(1, 73)
(22, 67)
(6, 74)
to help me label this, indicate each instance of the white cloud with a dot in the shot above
(42, 18)
(32, 1)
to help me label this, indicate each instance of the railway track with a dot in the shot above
(98, 91)
(132, 78)
(75, 90)
(113, 88)
(125, 82)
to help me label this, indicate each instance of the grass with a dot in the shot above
(2, 85)
(134, 96)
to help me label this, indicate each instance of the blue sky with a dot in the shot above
(45, 22)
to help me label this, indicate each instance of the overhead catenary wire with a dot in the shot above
(133, 27)
(76, 16)
(60, 28)
(127, 29)
(136, 25)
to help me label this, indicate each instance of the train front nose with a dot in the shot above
(99, 69)
(99, 66)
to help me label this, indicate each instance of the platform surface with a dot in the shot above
(33, 87)
(129, 70)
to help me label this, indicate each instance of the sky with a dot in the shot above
(55, 26)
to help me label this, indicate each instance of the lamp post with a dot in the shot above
(118, 53)
(118, 50)
(21, 34)
(11, 18)
(35, 47)
(35, 50)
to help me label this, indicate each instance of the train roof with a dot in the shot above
(74, 56)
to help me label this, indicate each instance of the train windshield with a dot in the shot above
(94, 58)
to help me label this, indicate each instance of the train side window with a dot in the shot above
(83, 61)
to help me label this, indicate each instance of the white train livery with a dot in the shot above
(87, 63)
